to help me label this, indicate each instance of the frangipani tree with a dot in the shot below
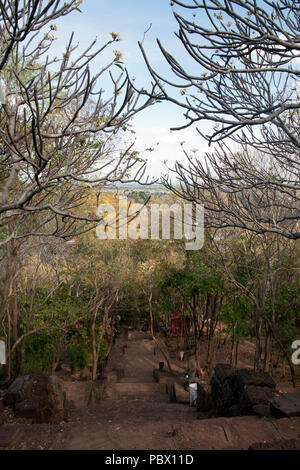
(58, 128)
(246, 84)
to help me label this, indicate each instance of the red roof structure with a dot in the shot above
(178, 324)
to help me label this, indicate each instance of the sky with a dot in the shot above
(131, 18)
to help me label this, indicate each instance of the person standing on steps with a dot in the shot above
(164, 330)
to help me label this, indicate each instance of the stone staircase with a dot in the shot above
(134, 388)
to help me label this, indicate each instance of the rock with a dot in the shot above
(235, 392)
(284, 444)
(253, 396)
(233, 411)
(287, 405)
(37, 397)
(262, 410)
(19, 390)
(224, 371)
(4, 384)
(242, 377)
(10, 436)
(222, 395)
(204, 402)
(29, 408)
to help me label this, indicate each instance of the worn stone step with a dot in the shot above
(136, 390)
(133, 380)
(139, 388)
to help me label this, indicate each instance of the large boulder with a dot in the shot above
(222, 395)
(262, 411)
(19, 390)
(4, 384)
(241, 378)
(37, 397)
(224, 372)
(204, 402)
(286, 405)
(253, 396)
(238, 392)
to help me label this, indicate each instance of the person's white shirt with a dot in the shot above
(2, 353)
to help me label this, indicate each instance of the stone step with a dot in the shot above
(139, 388)
(136, 390)
(133, 380)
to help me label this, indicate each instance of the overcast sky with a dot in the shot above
(131, 18)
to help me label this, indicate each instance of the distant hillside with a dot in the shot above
(139, 187)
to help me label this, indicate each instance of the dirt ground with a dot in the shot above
(137, 413)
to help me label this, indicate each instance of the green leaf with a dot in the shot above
(120, 66)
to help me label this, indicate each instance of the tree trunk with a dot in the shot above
(94, 347)
(268, 350)
(236, 352)
(258, 348)
(232, 344)
(18, 354)
(285, 353)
